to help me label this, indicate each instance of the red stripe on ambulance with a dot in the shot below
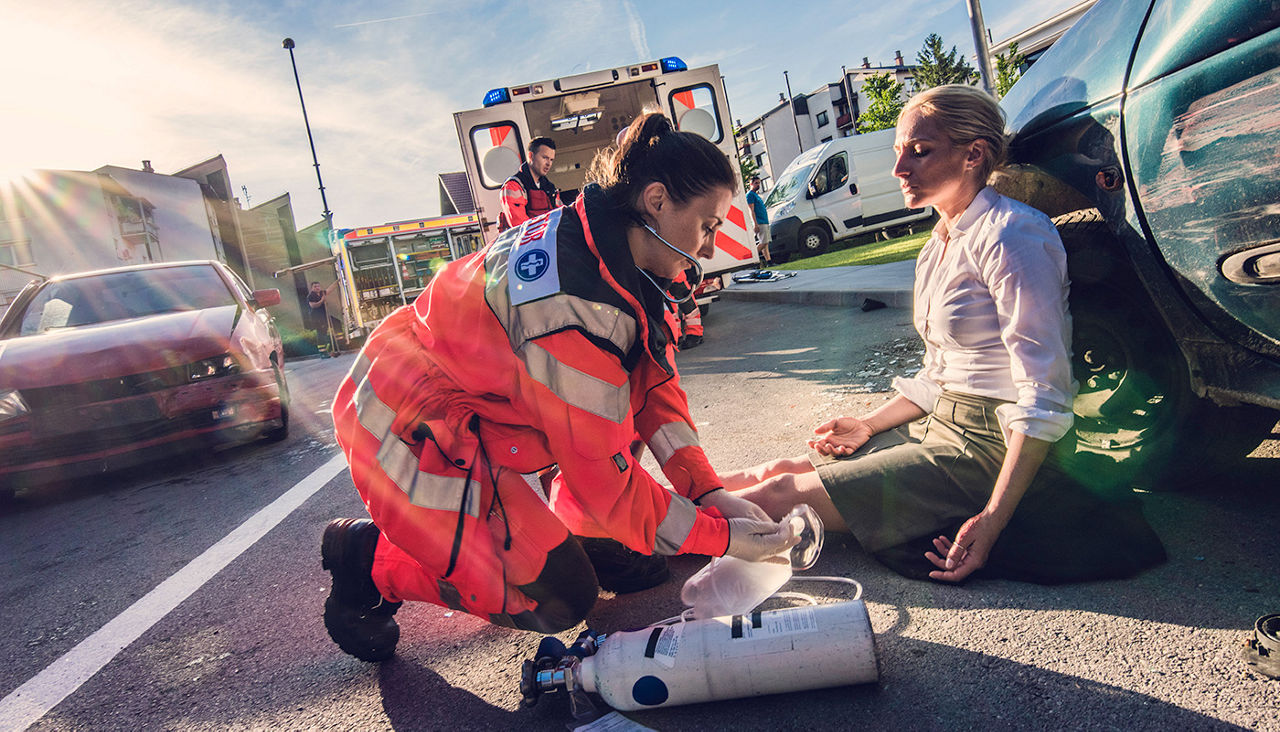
(730, 246)
(735, 215)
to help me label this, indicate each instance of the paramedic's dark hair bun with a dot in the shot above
(650, 150)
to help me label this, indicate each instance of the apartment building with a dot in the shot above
(61, 221)
(778, 136)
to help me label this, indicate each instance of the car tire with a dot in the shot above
(281, 431)
(1137, 420)
(813, 239)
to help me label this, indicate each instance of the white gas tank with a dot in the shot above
(769, 652)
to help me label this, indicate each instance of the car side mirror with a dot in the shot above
(853, 189)
(265, 298)
(813, 190)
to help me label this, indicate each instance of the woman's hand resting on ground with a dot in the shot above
(841, 436)
(967, 554)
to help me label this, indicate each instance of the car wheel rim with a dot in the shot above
(1124, 400)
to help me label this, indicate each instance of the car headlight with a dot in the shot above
(783, 210)
(211, 368)
(12, 405)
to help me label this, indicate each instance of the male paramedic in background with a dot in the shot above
(761, 215)
(529, 193)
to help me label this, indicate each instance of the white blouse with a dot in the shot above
(990, 303)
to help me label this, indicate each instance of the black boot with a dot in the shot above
(356, 615)
(689, 341)
(622, 570)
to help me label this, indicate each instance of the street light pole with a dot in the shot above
(980, 44)
(791, 102)
(328, 215)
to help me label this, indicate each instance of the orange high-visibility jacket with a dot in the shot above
(545, 348)
(522, 199)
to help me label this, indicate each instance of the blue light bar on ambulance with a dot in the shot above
(497, 96)
(673, 63)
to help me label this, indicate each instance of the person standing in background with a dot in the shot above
(318, 318)
(530, 193)
(761, 215)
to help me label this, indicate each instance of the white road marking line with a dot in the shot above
(42, 692)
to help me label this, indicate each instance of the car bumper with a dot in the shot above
(784, 235)
(82, 439)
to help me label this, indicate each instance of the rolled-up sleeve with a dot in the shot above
(1026, 274)
(921, 391)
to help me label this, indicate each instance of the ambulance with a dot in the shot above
(582, 114)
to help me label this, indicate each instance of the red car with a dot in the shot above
(105, 369)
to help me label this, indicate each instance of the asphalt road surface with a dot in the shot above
(147, 600)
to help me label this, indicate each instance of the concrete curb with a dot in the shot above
(846, 298)
(834, 286)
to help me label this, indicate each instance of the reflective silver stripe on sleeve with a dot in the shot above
(495, 270)
(575, 387)
(560, 311)
(424, 489)
(373, 414)
(671, 437)
(441, 492)
(674, 529)
(360, 368)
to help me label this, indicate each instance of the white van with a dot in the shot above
(838, 189)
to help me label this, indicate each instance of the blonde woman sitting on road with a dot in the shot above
(993, 397)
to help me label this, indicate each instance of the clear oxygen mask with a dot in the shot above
(732, 586)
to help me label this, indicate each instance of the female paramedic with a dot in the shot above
(547, 348)
(990, 304)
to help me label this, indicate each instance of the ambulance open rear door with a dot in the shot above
(493, 148)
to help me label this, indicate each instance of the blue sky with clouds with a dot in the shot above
(176, 82)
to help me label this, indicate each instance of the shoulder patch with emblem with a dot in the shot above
(532, 273)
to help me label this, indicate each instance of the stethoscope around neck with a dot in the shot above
(693, 261)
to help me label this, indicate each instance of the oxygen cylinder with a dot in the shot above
(769, 652)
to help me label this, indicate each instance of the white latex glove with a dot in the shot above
(731, 506)
(756, 541)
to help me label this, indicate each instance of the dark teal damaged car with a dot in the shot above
(1151, 131)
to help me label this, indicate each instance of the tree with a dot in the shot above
(1008, 69)
(886, 103)
(937, 67)
(748, 169)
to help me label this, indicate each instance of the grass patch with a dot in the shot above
(874, 252)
